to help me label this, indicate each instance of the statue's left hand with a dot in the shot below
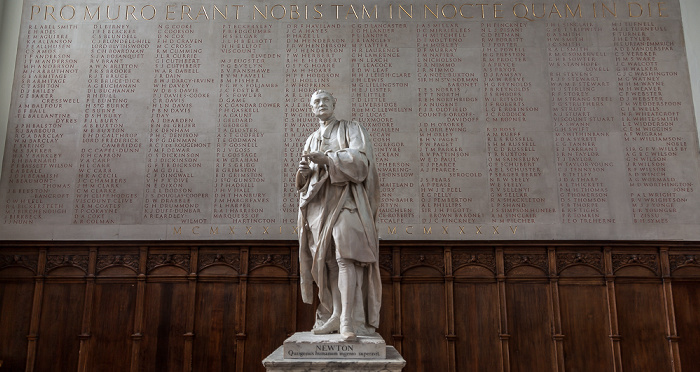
(317, 157)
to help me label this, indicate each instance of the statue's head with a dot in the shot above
(322, 104)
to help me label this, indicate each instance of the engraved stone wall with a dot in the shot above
(490, 121)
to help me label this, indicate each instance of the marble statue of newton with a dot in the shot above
(338, 242)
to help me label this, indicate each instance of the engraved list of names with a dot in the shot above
(489, 121)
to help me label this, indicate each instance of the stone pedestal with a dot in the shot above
(275, 362)
(305, 351)
(306, 345)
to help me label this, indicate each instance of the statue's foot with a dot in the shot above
(348, 336)
(330, 326)
(347, 333)
(363, 330)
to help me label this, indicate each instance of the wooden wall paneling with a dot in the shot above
(423, 310)
(167, 291)
(685, 271)
(58, 343)
(189, 312)
(113, 309)
(18, 271)
(215, 333)
(641, 317)
(397, 335)
(216, 307)
(268, 304)
(530, 327)
(139, 311)
(241, 311)
(686, 297)
(585, 324)
(643, 344)
(62, 309)
(85, 344)
(671, 330)
(112, 326)
(476, 309)
(164, 327)
(557, 336)
(387, 328)
(504, 331)
(293, 289)
(460, 306)
(36, 310)
(612, 310)
(584, 310)
(450, 311)
(529, 316)
(306, 313)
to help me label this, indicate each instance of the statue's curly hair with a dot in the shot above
(322, 91)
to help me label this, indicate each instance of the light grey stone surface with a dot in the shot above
(275, 362)
(305, 345)
(543, 124)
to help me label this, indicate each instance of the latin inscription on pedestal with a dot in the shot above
(305, 345)
(490, 121)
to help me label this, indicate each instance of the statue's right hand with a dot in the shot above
(303, 174)
(304, 168)
(306, 172)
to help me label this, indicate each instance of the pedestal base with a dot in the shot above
(276, 362)
(306, 345)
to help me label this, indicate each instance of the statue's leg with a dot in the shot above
(333, 323)
(358, 315)
(347, 282)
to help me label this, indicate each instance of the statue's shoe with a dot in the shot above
(348, 336)
(330, 326)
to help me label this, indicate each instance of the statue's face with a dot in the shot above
(322, 105)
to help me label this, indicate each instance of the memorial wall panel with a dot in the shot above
(511, 121)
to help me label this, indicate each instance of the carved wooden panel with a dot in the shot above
(678, 261)
(649, 261)
(56, 261)
(282, 261)
(164, 259)
(592, 259)
(386, 262)
(486, 260)
(18, 260)
(434, 260)
(538, 260)
(105, 261)
(232, 260)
